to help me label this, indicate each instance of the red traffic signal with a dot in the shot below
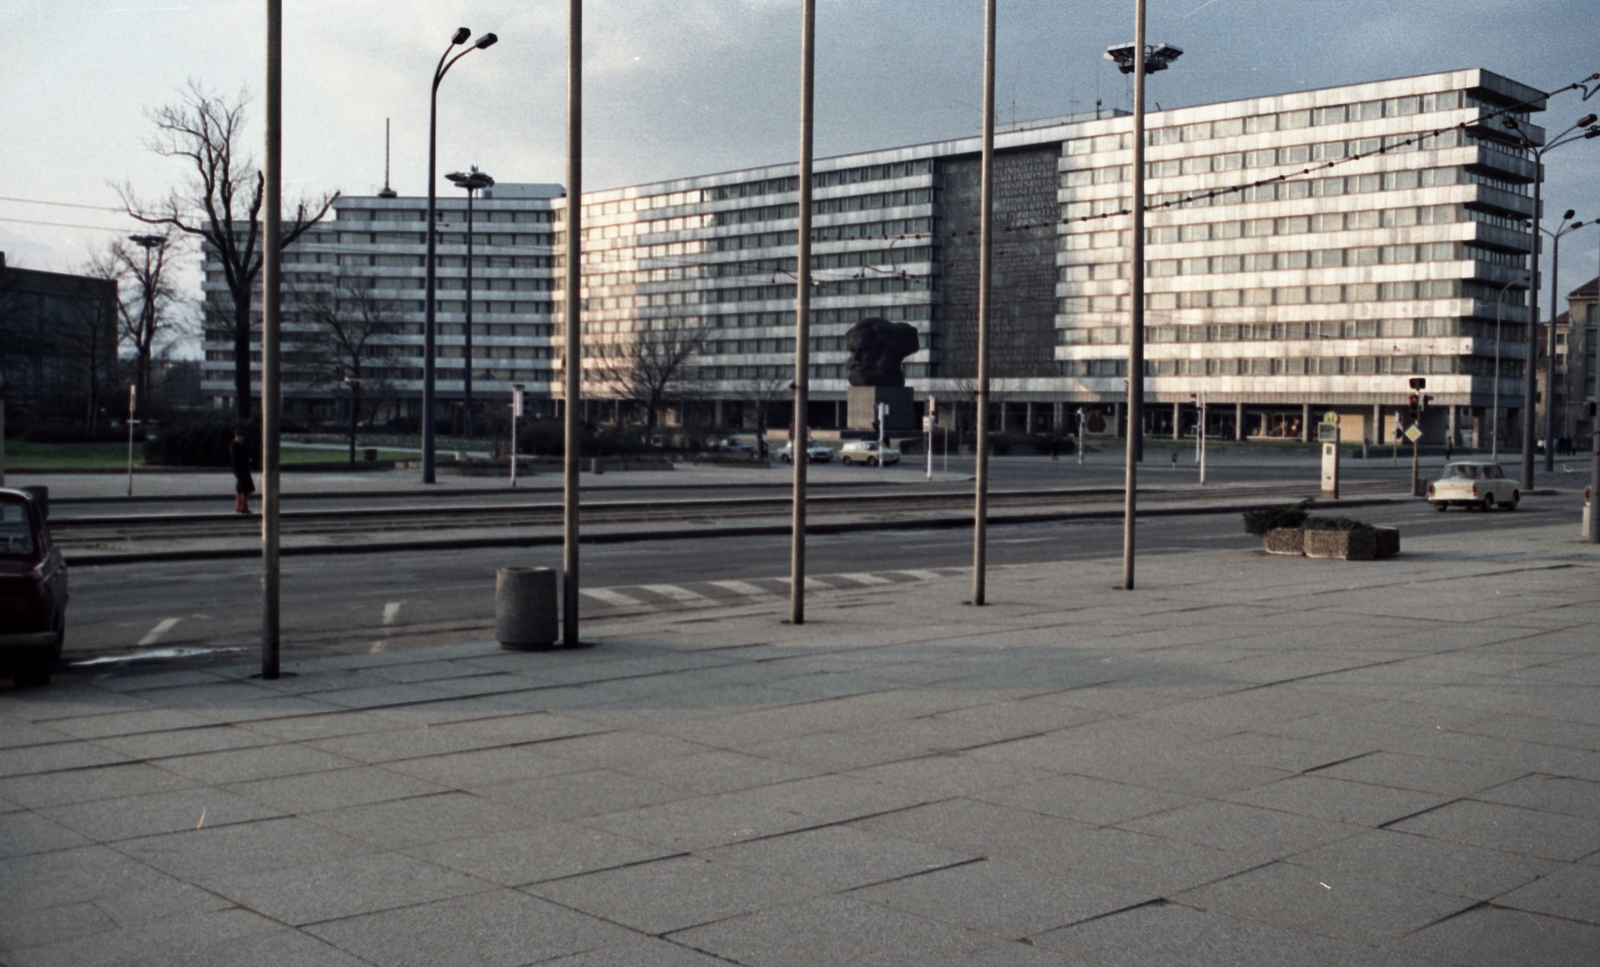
(1413, 399)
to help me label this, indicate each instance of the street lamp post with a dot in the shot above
(1139, 61)
(473, 182)
(1499, 305)
(429, 327)
(1550, 370)
(1566, 137)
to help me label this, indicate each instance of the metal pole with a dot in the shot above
(574, 313)
(1550, 355)
(271, 260)
(932, 410)
(1531, 367)
(466, 373)
(980, 502)
(429, 308)
(1136, 307)
(516, 410)
(1202, 439)
(1593, 537)
(1414, 467)
(802, 318)
(133, 405)
(1080, 436)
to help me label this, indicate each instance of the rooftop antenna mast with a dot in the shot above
(387, 192)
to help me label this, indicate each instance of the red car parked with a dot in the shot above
(33, 590)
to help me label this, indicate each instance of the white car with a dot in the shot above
(1473, 484)
(815, 452)
(868, 452)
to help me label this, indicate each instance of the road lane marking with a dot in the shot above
(812, 584)
(865, 578)
(391, 611)
(612, 597)
(745, 588)
(924, 575)
(675, 593)
(154, 634)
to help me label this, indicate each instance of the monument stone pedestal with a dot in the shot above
(864, 402)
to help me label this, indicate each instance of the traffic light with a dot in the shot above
(1415, 403)
(1424, 407)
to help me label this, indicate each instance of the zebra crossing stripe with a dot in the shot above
(868, 579)
(812, 584)
(611, 597)
(923, 575)
(745, 588)
(675, 593)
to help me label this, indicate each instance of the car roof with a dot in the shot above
(21, 494)
(1472, 463)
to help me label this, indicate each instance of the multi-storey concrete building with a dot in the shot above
(369, 260)
(1306, 252)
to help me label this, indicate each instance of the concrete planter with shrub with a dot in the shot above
(1290, 530)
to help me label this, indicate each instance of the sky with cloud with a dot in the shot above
(682, 87)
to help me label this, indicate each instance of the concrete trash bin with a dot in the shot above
(525, 607)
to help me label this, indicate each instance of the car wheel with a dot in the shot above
(1441, 506)
(872, 461)
(1486, 504)
(785, 458)
(32, 671)
(1512, 503)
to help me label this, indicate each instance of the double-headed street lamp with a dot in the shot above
(473, 181)
(1138, 60)
(1550, 372)
(1585, 128)
(428, 330)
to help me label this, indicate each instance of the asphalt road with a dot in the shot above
(397, 600)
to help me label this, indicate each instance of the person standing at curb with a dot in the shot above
(243, 486)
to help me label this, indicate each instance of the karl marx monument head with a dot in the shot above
(876, 348)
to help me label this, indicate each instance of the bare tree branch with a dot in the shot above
(219, 202)
(652, 365)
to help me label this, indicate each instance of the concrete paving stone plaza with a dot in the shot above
(1246, 761)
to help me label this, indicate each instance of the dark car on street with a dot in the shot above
(33, 590)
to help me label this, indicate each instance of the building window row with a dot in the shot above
(1293, 331)
(420, 215)
(1287, 190)
(1280, 121)
(1298, 366)
(1262, 158)
(1310, 259)
(835, 260)
(891, 228)
(1280, 296)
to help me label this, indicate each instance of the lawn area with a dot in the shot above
(114, 456)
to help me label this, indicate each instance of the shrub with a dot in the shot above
(1258, 522)
(1337, 524)
(198, 440)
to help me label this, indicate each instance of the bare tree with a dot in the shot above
(344, 323)
(765, 391)
(219, 203)
(653, 365)
(148, 299)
